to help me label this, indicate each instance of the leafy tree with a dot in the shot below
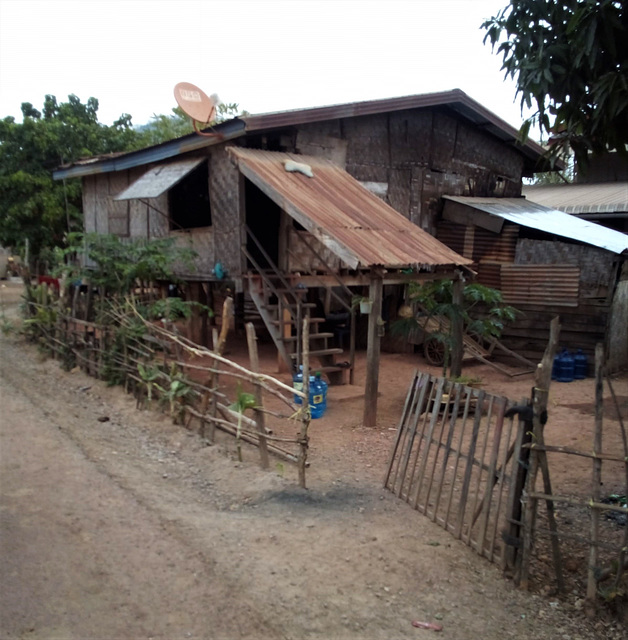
(570, 61)
(32, 205)
(36, 208)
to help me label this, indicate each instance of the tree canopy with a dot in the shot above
(33, 207)
(569, 59)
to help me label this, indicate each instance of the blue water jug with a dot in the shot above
(581, 365)
(566, 367)
(318, 396)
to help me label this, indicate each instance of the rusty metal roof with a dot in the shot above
(605, 197)
(558, 223)
(352, 222)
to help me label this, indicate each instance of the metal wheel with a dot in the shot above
(434, 351)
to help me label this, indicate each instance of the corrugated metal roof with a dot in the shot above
(535, 216)
(159, 179)
(456, 100)
(352, 222)
(120, 162)
(605, 197)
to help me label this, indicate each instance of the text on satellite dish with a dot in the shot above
(192, 96)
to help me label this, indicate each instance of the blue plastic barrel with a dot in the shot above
(556, 365)
(581, 365)
(566, 367)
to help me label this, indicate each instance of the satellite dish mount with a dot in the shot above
(196, 104)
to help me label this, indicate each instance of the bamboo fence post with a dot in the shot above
(624, 548)
(481, 463)
(259, 415)
(401, 429)
(218, 346)
(596, 478)
(305, 406)
(463, 425)
(408, 442)
(539, 401)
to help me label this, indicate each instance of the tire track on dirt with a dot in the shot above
(207, 590)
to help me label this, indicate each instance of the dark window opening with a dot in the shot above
(188, 201)
(262, 217)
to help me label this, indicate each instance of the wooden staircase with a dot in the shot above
(282, 311)
(281, 302)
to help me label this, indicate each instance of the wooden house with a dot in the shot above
(366, 220)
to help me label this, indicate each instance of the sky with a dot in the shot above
(265, 55)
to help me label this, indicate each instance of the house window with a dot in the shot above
(188, 201)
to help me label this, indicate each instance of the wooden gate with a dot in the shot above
(454, 460)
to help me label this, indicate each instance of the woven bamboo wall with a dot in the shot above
(118, 210)
(224, 195)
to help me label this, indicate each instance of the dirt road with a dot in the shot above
(132, 528)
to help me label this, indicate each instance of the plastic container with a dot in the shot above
(556, 366)
(566, 367)
(581, 365)
(318, 396)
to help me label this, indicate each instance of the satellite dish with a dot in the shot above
(196, 104)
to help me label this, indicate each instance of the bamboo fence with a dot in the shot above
(159, 365)
(461, 459)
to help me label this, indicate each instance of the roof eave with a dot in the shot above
(192, 142)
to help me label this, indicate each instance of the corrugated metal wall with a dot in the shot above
(542, 279)
(540, 284)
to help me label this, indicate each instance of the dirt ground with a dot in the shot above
(133, 528)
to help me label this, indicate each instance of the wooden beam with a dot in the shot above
(372, 353)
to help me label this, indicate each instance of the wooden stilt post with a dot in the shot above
(596, 478)
(456, 327)
(372, 353)
(259, 415)
(195, 323)
(305, 419)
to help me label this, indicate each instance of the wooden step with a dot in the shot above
(321, 352)
(304, 305)
(313, 336)
(312, 321)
